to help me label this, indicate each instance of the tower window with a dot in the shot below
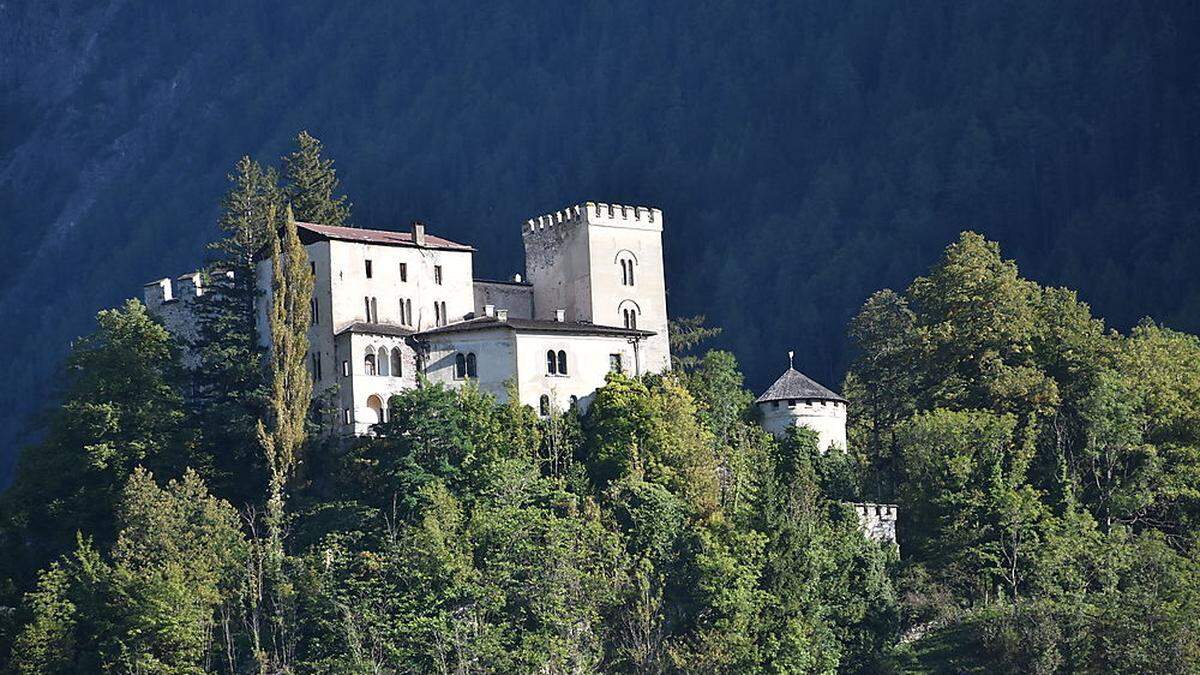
(313, 307)
(630, 315)
(626, 272)
(368, 266)
(437, 274)
(403, 271)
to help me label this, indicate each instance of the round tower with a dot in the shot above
(797, 400)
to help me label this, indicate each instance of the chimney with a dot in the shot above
(502, 315)
(489, 310)
(560, 315)
(418, 233)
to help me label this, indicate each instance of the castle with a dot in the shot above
(390, 306)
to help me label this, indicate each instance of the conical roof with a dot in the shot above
(795, 384)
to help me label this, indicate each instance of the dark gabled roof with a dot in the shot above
(535, 326)
(310, 232)
(794, 384)
(376, 329)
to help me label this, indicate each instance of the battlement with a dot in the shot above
(161, 291)
(596, 213)
(877, 521)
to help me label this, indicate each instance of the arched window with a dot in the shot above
(544, 405)
(551, 363)
(376, 405)
(369, 363)
(384, 364)
(629, 313)
(460, 366)
(562, 362)
(626, 260)
(397, 364)
(471, 371)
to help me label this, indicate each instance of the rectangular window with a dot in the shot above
(316, 315)
(368, 269)
(315, 361)
(437, 314)
(345, 369)
(614, 363)
(313, 267)
(346, 416)
(367, 305)
(437, 274)
(374, 310)
(445, 317)
(403, 271)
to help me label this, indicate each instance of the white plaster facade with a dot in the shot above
(827, 418)
(602, 263)
(595, 293)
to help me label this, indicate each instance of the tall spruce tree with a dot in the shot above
(229, 378)
(312, 183)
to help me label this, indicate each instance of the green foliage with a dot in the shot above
(120, 409)
(312, 183)
(151, 604)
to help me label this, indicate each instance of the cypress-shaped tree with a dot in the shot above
(282, 433)
(312, 183)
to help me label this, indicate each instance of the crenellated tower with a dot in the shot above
(603, 264)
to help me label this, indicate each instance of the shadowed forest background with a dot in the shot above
(804, 154)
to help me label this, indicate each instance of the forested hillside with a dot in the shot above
(812, 151)
(200, 519)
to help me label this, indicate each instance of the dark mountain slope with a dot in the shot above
(805, 153)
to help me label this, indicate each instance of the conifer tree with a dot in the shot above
(312, 183)
(230, 388)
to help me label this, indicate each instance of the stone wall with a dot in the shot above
(878, 521)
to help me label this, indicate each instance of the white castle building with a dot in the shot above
(389, 307)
